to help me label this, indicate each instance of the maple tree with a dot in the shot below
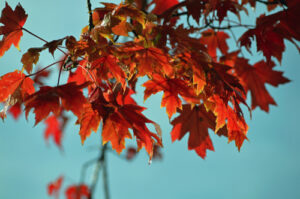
(204, 80)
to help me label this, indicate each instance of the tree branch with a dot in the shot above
(105, 180)
(283, 2)
(100, 164)
(89, 5)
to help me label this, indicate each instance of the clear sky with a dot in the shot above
(268, 165)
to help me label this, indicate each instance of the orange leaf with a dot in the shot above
(31, 57)
(122, 28)
(78, 76)
(89, 121)
(236, 125)
(172, 88)
(14, 88)
(108, 67)
(13, 21)
(9, 83)
(116, 134)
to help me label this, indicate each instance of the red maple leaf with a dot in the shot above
(53, 129)
(214, 40)
(9, 83)
(108, 67)
(15, 110)
(13, 21)
(77, 76)
(54, 187)
(271, 30)
(196, 121)
(149, 60)
(162, 5)
(14, 88)
(50, 99)
(254, 79)
(77, 192)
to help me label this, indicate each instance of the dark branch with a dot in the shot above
(230, 26)
(89, 5)
(282, 2)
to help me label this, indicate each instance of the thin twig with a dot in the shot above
(31, 33)
(231, 26)
(35, 35)
(32, 74)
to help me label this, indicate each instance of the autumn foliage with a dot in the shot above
(182, 47)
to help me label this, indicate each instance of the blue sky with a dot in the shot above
(268, 165)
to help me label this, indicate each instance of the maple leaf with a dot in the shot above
(44, 102)
(14, 88)
(254, 79)
(214, 40)
(236, 125)
(53, 45)
(162, 5)
(13, 21)
(31, 57)
(54, 187)
(108, 67)
(222, 8)
(271, 30)
(196, 121)
(172, 88)
(47, 100)
(195, 8)
(115, 132)
(15, 110)
(77, 192)
(53, 129)
(149, 60)
(78, 76)
(122, 28)
(120, 113)
(9, 83)
(89, 121)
